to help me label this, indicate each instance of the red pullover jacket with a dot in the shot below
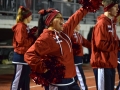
(22, 40)
(79, 39)
(57, 44)
(104, 44)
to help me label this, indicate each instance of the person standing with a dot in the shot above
(89, 36)
(22, 40)
(105, 46)
(117, 21)
(78, 41)
(53, 49)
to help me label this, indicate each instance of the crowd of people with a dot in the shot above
(51, 53)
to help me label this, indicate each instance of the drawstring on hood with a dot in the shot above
(58, 41)
(57, 37)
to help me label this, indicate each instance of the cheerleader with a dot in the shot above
(78, 42)
(23, 38)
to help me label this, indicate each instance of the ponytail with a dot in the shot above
(46, 16)
(41, 25)
(22, 14)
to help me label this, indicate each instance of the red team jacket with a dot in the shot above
(57, 44)
(79, 39)
(21, 39)
(104, 44)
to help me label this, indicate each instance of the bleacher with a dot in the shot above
(8, 9)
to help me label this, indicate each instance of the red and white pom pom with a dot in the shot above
(33, 30)
(91, 5)
(55, 73)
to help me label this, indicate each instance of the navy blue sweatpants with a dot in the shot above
(105, 78)
(78, 60)
(21, 79)
(118, 69)
(66, 84)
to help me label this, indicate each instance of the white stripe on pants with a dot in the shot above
(53, 87)
(101, 82)
(80, 78)
(17, 77)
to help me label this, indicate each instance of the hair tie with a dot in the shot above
(22, 8)
(43, 12)
(28, 12)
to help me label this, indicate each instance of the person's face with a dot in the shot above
(58, 22)
(113, 11)
(29, 19)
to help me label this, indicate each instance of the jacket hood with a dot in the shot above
(16, 25)
(103, 18)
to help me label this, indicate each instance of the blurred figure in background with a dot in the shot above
(105, 45)
(117, 22)
(78, 42)
(89, 37)
(23, 38)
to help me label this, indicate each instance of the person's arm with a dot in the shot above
(85, 42)
(33, 55)
(102, 41)
(74, 20)
(87, 6)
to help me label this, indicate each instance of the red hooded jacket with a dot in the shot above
(22, 40)
(57, 44)
(79, 39)
(104, 44)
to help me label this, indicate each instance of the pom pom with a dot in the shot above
(55, 73)
(76, 48)
(91, 5)
(33, 30)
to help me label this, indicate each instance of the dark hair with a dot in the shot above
(89, 36)
(46, 16)
(41, 22)
(41, 25)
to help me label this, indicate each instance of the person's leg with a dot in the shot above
(81, 77)
(46, 87)
(118, 86)
(109, 78)
(118, 69)
(16, 84)
(26, 78)
(105, 78)
(95, 70)
(15, 66)
(74, 86)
